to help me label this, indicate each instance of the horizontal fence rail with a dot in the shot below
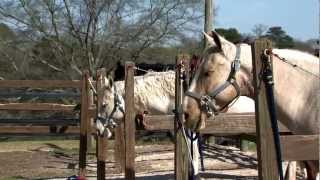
(46, 95)
(37, 107)
(40, 83)
(223, 124)
(39, 125)
(300, 147)
(33, 130)
(40, 121)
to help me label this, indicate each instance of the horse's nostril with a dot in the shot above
(186, 115)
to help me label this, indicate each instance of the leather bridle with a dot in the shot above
(208, 101)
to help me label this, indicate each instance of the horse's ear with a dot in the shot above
(213, 38)
(110, 73)
(108, 82)
(110, 79)
(216, 39)
(209, 38)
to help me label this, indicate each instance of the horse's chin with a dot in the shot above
(197, 124)
(202, 121)
(118, 116)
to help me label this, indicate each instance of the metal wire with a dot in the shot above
(92, 87)
(269, 51)
(143, 70)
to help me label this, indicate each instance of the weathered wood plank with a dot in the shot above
(267, 165)
(37, 107)
(40, 83)
(223, 124)
(300, 147)
(119, 146)
(40, 121)
(83, 124)
(129, 124)
(101, 139)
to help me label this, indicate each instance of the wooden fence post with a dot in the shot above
(84, 123)
(101, 140)
(129, 123)
(267, 165)
(181, 161)
(119, 146)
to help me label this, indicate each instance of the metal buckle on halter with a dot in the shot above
(236, 65)
(205, 105)
(105, 127)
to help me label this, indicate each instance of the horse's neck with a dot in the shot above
(153, 92)
(119, 87)
(296, 92)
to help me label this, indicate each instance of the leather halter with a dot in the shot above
(208, 101)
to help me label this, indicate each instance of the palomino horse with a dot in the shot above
(218, 81)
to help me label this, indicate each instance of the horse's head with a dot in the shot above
(113, 102)
(215, 84)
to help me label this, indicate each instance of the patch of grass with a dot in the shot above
(252, 146)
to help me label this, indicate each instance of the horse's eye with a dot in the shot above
(208, 73)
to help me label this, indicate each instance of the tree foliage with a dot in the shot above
(230, 34)
(280, 37)
(259, 30)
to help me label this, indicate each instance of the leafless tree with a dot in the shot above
(63, 37)
(259, 30)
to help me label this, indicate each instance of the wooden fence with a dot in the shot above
(32, 126)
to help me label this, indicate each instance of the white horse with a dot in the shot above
(296, 89)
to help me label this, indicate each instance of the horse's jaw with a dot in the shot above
(245, 82)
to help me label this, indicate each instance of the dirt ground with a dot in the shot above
(59, 159)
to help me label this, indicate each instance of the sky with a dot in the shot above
(299, 18)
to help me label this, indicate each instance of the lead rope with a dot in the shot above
(92, 87)
(267, 77)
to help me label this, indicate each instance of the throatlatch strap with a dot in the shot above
(192, 94)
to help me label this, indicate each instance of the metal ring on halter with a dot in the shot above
(206, 105)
